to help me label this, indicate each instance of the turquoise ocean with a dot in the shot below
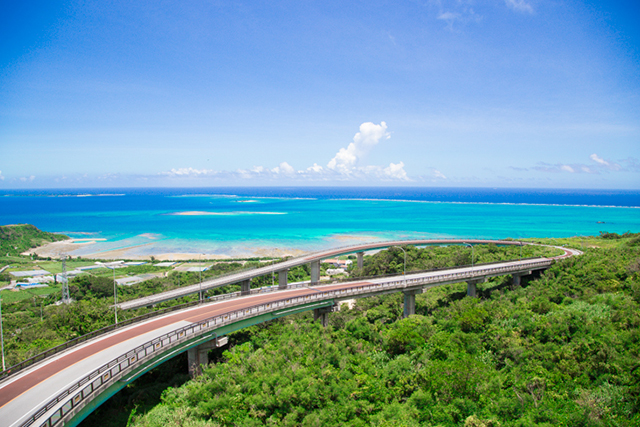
(245, 221)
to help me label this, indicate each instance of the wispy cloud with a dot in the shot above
(519, 6)
(437, 174)
(598, 166)
(604, 163)
(462, 15)
(188, 172)
(631, 164)
(458, 13)
(1, 177)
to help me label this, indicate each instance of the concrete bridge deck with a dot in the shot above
(313, 259)
(64, 388)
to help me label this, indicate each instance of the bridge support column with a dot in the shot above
(315, 272)
(517, 279)
(410, 302)
(245, 287)
(282, 279)
(472, 288)
(360, 256)
(199, 355)
(322, 314)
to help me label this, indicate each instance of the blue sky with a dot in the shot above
(474, 93)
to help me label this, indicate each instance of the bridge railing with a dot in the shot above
(70, 401)
(431, 270)
(266, 289)
(246, 273)
(123, 323)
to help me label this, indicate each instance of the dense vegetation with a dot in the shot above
(564, 349)
(34, 322)
(15, 239)
(561, 350)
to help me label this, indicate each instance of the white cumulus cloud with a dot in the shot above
(346, 159)
(396, 171)
(315, 168)
(348, 164)
(284, 168)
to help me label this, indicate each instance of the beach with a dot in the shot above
(69, 248)
(232, 223)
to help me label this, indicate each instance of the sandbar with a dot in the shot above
(94, 249)
(146, 251)
(203, 213)
(57, 249)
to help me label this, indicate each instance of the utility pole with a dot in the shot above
(520, 251)
(404, 272)
(2, 335)
(472, 252)
(115, 295)
(66, 298)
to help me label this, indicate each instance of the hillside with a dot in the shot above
(16, 239)
(564, 349)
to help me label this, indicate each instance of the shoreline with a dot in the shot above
(68, 247)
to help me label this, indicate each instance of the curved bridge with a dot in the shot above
(65, 388)
(244, 277)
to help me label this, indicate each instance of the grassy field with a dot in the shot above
(14, 296)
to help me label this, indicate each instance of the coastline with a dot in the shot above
(68, 247)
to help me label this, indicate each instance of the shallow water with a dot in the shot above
(247, 221)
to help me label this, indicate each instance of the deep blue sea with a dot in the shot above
(246, 221)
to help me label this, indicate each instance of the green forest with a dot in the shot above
(15, 239)
(561, 349)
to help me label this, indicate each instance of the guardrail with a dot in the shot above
(292, 262)
(79, 340)
(266, 289)
(70, 401)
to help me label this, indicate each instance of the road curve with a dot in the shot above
(24, 394)
(294, 262)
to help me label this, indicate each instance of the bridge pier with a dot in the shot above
(360, 256)
(315, 272)
(199, 355)
(245, 287)
(410, 302)
(322, 314)
(471, 287)
(282, 279)
(517, 279)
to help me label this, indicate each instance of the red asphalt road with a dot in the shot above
(33, 378)
(45, 371)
